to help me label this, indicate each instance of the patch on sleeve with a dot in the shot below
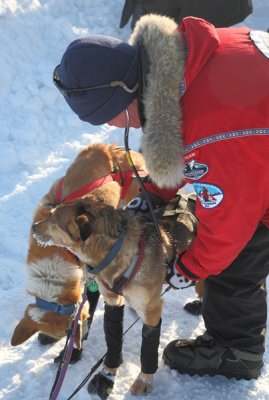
(261, 41)
(210, 196)
(194, 170)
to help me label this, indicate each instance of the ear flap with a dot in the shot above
(84, 226)
(23, 331)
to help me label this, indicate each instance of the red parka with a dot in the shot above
(224, 106)
(226, 136)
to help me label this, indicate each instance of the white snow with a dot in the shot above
(40, 137)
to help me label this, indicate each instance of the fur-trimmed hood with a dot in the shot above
(162, 143)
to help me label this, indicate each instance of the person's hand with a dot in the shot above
(175, 279)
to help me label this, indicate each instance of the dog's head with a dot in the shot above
(79, 225)
(51, 323)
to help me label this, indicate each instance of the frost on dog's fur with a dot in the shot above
(41, 242)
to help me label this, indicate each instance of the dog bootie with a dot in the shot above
(194, 307)
(46, 339)
(75, 357)
(206, 356)
(102, 384)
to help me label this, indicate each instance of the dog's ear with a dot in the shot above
(23, 331)
(84, 226)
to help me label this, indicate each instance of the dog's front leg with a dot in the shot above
(149, 359)
(103, 382)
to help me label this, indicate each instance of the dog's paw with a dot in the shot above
(194, 307)
(75, 357)
(142, 384)
(102, 385)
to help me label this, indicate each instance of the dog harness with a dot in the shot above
(122, 281)
(125, 279)
(123, 178)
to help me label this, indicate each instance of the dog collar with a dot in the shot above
(55, 307)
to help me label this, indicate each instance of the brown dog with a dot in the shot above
(112, 241)
(55, 276)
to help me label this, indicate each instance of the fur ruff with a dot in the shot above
(162, 143)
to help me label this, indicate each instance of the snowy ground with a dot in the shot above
(39, 138)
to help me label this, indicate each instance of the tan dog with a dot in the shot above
(55, 275)
(93, 231)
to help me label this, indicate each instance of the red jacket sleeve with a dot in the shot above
(230, 214)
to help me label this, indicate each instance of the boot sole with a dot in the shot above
(213, 372)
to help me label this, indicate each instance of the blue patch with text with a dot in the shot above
(194, 170)
(209, 195)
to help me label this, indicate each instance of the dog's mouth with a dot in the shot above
(41, 241)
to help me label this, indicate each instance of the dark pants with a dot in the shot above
(234, 304)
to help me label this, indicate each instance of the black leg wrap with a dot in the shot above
(113, 327)
(149, 348)
(93, 298)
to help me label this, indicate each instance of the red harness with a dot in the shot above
(123, 178)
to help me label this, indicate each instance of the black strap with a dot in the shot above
(128, 10)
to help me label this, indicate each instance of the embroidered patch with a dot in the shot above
(194, 170)
(261, 40)
(209, 195)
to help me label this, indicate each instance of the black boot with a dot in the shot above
(206, 356)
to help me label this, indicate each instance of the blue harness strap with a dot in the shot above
(55, 307)
(109, 257)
